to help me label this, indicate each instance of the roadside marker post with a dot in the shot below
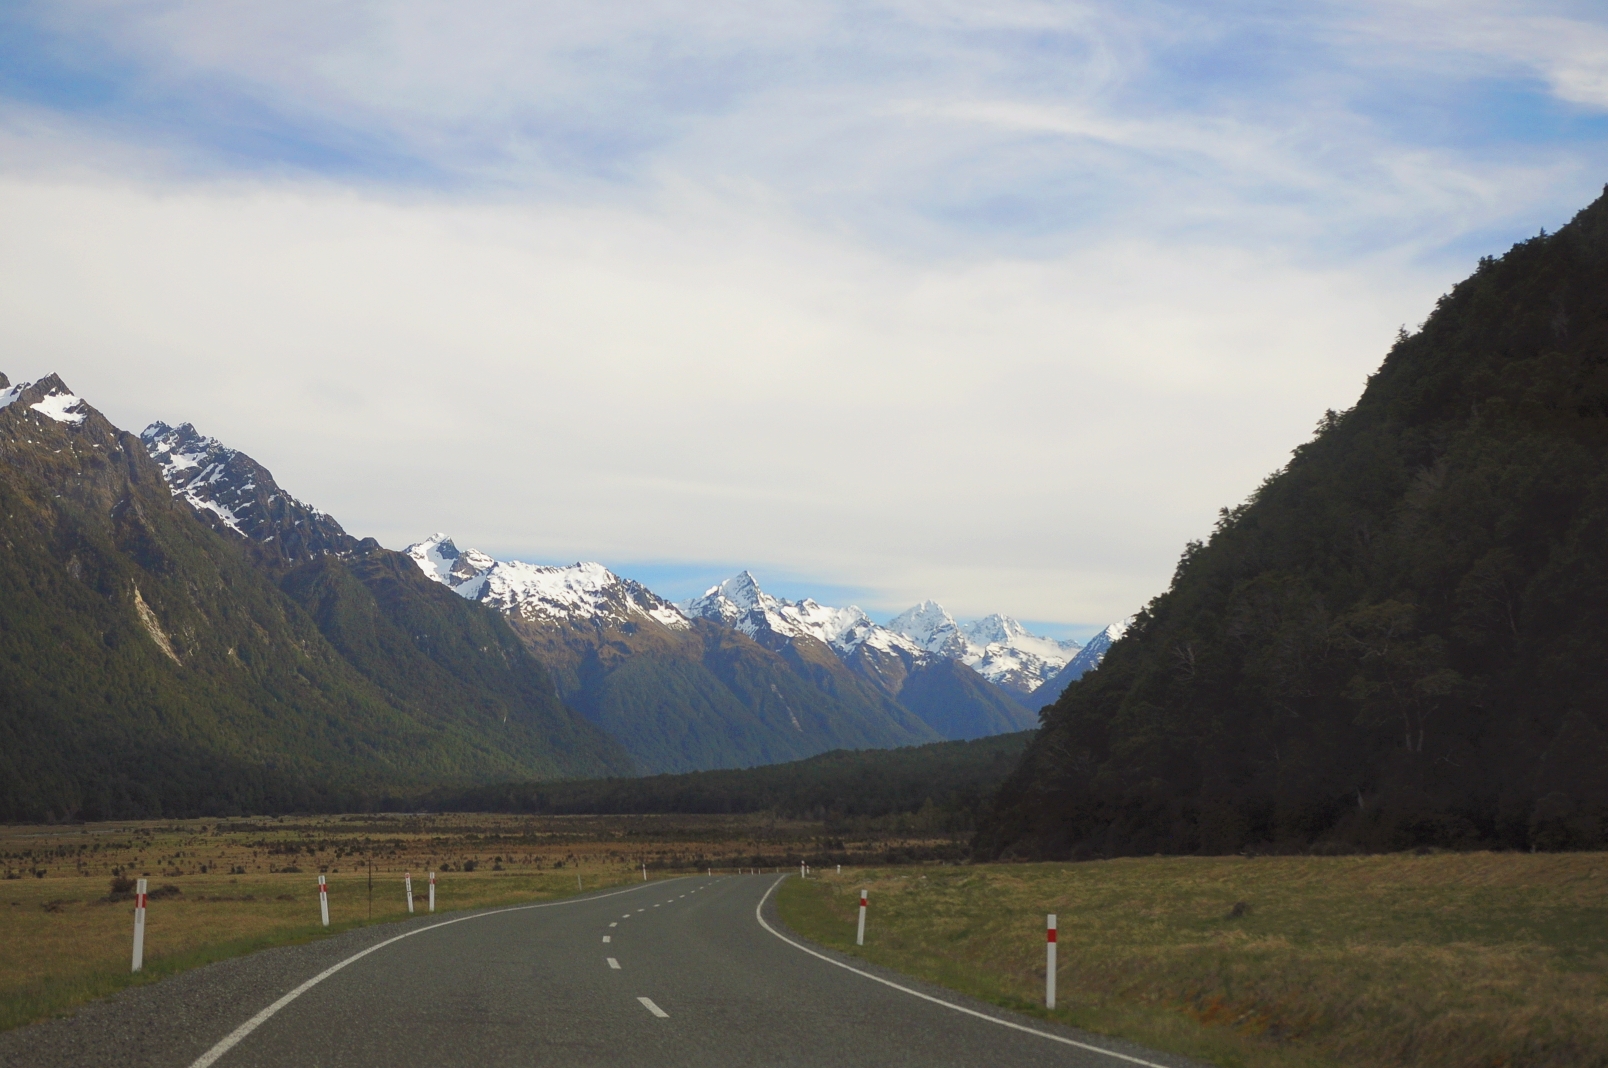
(840, 869)
(407, 884)
(432, 891)
(323, 900)
(859, 937)
(644, 871)
(1049, 969)
(139, 926)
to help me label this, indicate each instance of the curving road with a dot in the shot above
(693, 971)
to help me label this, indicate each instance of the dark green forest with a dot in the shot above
(1401, 638)
(951, 780)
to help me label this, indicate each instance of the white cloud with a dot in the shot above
(703, 381)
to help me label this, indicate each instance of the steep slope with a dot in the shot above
(679, 694)
(420, 645)
(235, 493)
(148, 666)
(1087, 660)
(841, 649)
(1399, 639)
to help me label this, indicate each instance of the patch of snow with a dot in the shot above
(223, 513)
(63, 407)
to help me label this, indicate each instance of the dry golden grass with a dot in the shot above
(1448, 960)
(247, 884)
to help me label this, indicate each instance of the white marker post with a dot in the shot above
(407, 883)
(1049, 966)
(801, 871)
(323, 900)
(840, 869)
(859, 938)
(432, 891)
(139, 925)
(644, 871)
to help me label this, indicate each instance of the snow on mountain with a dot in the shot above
(997, 647)
(59, 403)
(241, 494)
(932, 629)
(1087, 660)
(1090, 655)
(579, 593)
(740, 603)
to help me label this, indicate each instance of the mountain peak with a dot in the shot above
(49, 397)
(237, 494)
(581, 593)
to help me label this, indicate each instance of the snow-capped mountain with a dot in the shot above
(1087, 660)
(578, 593)
(238, 494)
(997, 647)
(55, 399)
(740, 603)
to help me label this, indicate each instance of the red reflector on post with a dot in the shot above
(1050, 935)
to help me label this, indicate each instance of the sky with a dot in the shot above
(990, 303)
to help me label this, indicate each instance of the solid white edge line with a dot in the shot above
(647, 1003)
(233, 1038)
(940, 1001)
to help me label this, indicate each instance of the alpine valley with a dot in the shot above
(180, 636)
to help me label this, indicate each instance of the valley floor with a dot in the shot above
(223, 887)
(1445, 960)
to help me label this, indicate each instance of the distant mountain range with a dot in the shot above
(180, 634)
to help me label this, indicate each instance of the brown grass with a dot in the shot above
(1449, 960)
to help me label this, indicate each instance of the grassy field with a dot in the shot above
(1446, 960)
(220, 888)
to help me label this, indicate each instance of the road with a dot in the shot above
(690, 971)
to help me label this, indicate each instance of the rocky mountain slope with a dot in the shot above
(1087, 659)
(235, 493)
(997, 647)
(151, 665)
(680, 694)
(1399, 639)
(946, 693)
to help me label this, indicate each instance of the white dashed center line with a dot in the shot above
(616, 923)
(647, 1003)
(613, 963)
(606, 938)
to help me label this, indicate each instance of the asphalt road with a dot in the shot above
(688, 971)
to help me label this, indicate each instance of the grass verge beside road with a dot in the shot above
(1445, 961)
(69, 944)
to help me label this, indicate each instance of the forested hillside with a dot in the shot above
(152, 666)
(1401, 638)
